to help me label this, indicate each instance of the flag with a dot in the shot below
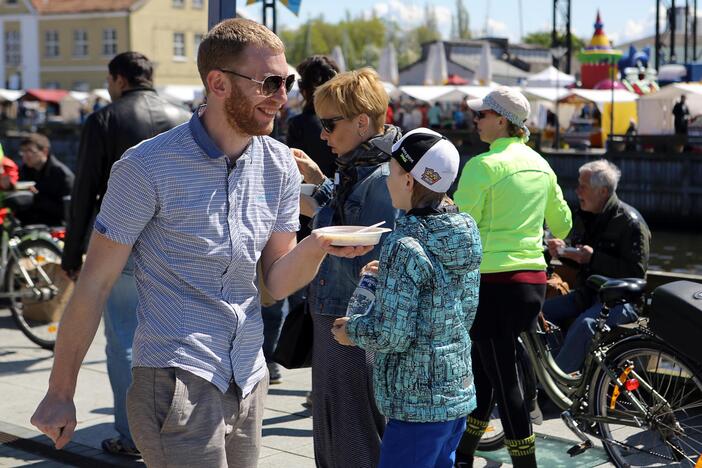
(293, 5)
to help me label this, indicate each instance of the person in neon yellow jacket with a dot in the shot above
(509, 191)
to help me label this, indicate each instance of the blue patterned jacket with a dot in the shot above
(425, 305)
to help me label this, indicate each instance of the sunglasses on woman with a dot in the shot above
(270, 84)
(482, 114)
(330, 124)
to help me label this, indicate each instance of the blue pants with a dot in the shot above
(577, 341)
(420, 445)
(120, 322)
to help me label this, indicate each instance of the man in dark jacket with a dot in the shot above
(53, 181)
(136, 114)
(608, 238)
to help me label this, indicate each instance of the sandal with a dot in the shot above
(117, 446)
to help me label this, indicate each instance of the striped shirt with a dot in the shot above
(198, 228)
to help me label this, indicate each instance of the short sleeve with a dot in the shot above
(130, 202)
(288, 217)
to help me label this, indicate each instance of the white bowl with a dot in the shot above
(343, 236)
(24, 184)
(307, 189)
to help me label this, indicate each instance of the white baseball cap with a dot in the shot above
(507, 102)
(429, 157)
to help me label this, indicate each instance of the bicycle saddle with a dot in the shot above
(617, 291)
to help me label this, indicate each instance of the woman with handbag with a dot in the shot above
(351, 107)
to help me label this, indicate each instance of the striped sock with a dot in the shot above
(475, 428)
(522, 451)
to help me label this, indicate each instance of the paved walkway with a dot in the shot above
(287, 426)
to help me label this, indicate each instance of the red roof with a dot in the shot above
(46, 95)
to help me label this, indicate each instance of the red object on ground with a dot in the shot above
(456, 80)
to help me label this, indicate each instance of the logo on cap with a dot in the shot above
(404, 154)
(430, 176)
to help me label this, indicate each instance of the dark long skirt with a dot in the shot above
(346, 423)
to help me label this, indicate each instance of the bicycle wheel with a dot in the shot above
(494, 436)
(671, 434)
(38, 320)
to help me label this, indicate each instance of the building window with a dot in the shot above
(52, 85)
(178, 3)
(13, 52)
(197, 39)
(80, 43)
(51, 44)
(198, 4)
(179, 45)
(109, 42)
(11, 2)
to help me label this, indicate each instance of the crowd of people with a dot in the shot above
(192, 214)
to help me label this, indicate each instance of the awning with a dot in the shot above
(46, 95)
(10, 95)
(433, 94)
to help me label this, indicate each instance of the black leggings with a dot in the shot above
(494, 353)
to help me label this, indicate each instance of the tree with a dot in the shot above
(461, 23)
(543, 38)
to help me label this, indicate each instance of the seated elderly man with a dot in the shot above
(608, 238)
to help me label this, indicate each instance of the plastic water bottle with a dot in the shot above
(363, 297)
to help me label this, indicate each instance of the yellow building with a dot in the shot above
(68, 43)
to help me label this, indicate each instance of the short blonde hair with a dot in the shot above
(225, 42)
(354, 93)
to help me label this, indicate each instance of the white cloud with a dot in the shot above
(633, 30)
(409, 15)
(495, 26)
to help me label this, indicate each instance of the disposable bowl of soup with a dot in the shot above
(307, 189)
(344, 236)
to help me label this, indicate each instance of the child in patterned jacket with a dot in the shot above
(427, 297)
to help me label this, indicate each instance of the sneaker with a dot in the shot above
(118, 446)
(274, 377)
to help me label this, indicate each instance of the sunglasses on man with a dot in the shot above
(330, 124)
(270, 84)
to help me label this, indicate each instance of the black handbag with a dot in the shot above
(294, 348)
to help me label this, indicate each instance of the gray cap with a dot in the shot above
(507, 102)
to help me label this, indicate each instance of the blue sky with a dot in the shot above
(624, 19)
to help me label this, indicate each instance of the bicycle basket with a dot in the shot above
(676, 316)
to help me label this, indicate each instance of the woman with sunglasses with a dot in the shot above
(351, 106)
(509, 191)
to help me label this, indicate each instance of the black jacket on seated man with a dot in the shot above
(54, 181)
(139, 114)
(620, 239)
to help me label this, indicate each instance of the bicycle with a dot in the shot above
(636, 393)
(30, 258)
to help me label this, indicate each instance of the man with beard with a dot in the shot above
(198, 206)
(136, 114)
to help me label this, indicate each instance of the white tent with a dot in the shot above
(101, 93)
(436, 70)
(432, 94)
(655, 109)
(392, 90)
(338, 56)
(182, 93)
(474, 92)
(545, 94)
(387, 68)
(602, 96)
(551, 77)
(10, 95)
(484, 73)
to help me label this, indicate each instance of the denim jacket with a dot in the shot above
(368, 203)
(426, 301)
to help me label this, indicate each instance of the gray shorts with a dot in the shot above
(178, 419)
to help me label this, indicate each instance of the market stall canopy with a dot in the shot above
(10, 95)
(475, 92)
(182, 93)
(392, 90)
(618, 104)
(551, 77)
(545, 94)
(53, 96)
(599, 96)
(433, 94)
(102, 93)
(656, 109)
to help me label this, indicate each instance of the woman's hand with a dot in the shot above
(339, 332)
(371, 267)
(308, 168)
(308, 205)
